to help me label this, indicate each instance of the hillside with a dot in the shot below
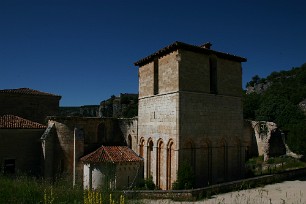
(125, 105)
(280, 98)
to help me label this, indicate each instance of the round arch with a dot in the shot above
(160, 165)
(150, 146)
(141, 147)
(170, 167)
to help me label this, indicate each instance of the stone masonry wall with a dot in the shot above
(24, 146)
(90, 133)
(157, 122)
(178, 108)
(194, 72)
(146, 78)
(129, 129)
(210, 126)
(168, 73)
(31, 107)
(211, 136)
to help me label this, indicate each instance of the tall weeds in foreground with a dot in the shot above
(96, 197)
(23, 189)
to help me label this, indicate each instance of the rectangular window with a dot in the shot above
(155, 76)
(9, 166)
(213, 76)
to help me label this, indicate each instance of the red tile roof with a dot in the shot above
(113, 154)
(180, 45)
(26, 91)
(15, 122)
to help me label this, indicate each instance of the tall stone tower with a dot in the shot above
(190, 112)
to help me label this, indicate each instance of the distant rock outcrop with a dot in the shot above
(302, 106)
(125, 105)
(258, 88)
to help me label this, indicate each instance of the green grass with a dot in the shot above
(24, 189)
(256, 166)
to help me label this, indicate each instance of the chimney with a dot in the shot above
(206, 45)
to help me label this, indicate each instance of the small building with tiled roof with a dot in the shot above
(30, 104)
(20, 147)
(114, 167)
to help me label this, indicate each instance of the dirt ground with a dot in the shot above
(280, 193)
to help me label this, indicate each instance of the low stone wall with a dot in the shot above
(199, 193)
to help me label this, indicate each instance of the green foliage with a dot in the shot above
(149, 183)
(256, 165)
(146, 184)
(279, 110)
(127, 102)
(296, 137)
(251, 103)
(185, 177)
(279, 104)
(22, 189)
(255, 80)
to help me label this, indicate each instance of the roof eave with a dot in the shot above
(180, 45)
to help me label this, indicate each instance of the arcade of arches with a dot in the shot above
(159, 162)
(162, 159)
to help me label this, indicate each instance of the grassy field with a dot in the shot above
(23, 189)
(256, 165)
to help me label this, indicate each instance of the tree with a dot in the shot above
(279, 110)
(251, 103)
(185, 177)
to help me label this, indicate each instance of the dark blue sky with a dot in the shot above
(85, 50)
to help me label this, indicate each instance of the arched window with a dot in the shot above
(130, 142)
(170, 161)
(160, 165)
(238, 157)
(149, 158)
(141, 146)
(189, 151)
(203, 163)
(101, 138)
(222, 163)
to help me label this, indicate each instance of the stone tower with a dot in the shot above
(190, 112)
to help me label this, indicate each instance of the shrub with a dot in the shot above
(185, 177)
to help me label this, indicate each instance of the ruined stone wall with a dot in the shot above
(269, 139)
(129, 129)
(90, 134)
(32, 107)
(249, 139)
(22, 145)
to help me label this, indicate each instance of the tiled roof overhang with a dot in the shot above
(111, 154)
(27, 91)
(15, 122)
(180, 45)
